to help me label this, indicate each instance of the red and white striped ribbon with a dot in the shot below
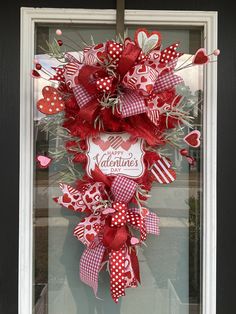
(162, 172)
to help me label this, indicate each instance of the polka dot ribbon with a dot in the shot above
(123, 189)
(119, 217)
(117, 270)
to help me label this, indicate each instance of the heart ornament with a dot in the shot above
(162, 171)
(201, 57)
(193, 138)
(115, 141)
(43, 161)
(147, 41)
(52, 102)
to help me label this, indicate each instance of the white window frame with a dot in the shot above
(31, 16)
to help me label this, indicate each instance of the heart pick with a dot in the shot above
(201, 57)
(147, 41)
(43, 161)
(193, 138)
(51, 102)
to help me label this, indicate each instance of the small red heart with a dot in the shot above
(128, 274)
(88, 199)
(149, 88)
(142, 69)
(52, 102)
(92, 219)
(90, 237)
(143, 79)
(144, 211)
(93, 190)
(88, 227)
(193, 138)
(66, 198)
(101, 55)
(201, 57)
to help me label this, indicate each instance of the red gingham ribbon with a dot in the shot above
(131, 104)
(151, 222)
(123, 189)
(90, 264)
(166, 81)
(82, 96)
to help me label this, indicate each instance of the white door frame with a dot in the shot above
(31, 16)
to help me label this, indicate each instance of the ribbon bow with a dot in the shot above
(105, 232)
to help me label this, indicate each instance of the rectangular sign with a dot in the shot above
(116, 154)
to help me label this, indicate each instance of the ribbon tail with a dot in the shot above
(117, 273)
(152, 223)
(90, 265)
(135, 264)
(137, 222)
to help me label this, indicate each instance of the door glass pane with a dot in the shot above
(170, 264)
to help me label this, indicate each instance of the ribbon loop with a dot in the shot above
(123, 189)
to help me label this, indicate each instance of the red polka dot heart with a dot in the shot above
(51, 102)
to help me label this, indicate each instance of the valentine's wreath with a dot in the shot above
(116, 105)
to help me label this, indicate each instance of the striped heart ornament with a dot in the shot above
(162, 171)
(115, 141)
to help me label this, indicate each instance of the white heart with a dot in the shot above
(147, 43)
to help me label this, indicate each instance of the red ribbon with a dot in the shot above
(87, 77)
(114, 237)
(89, 111)
(128, 58)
